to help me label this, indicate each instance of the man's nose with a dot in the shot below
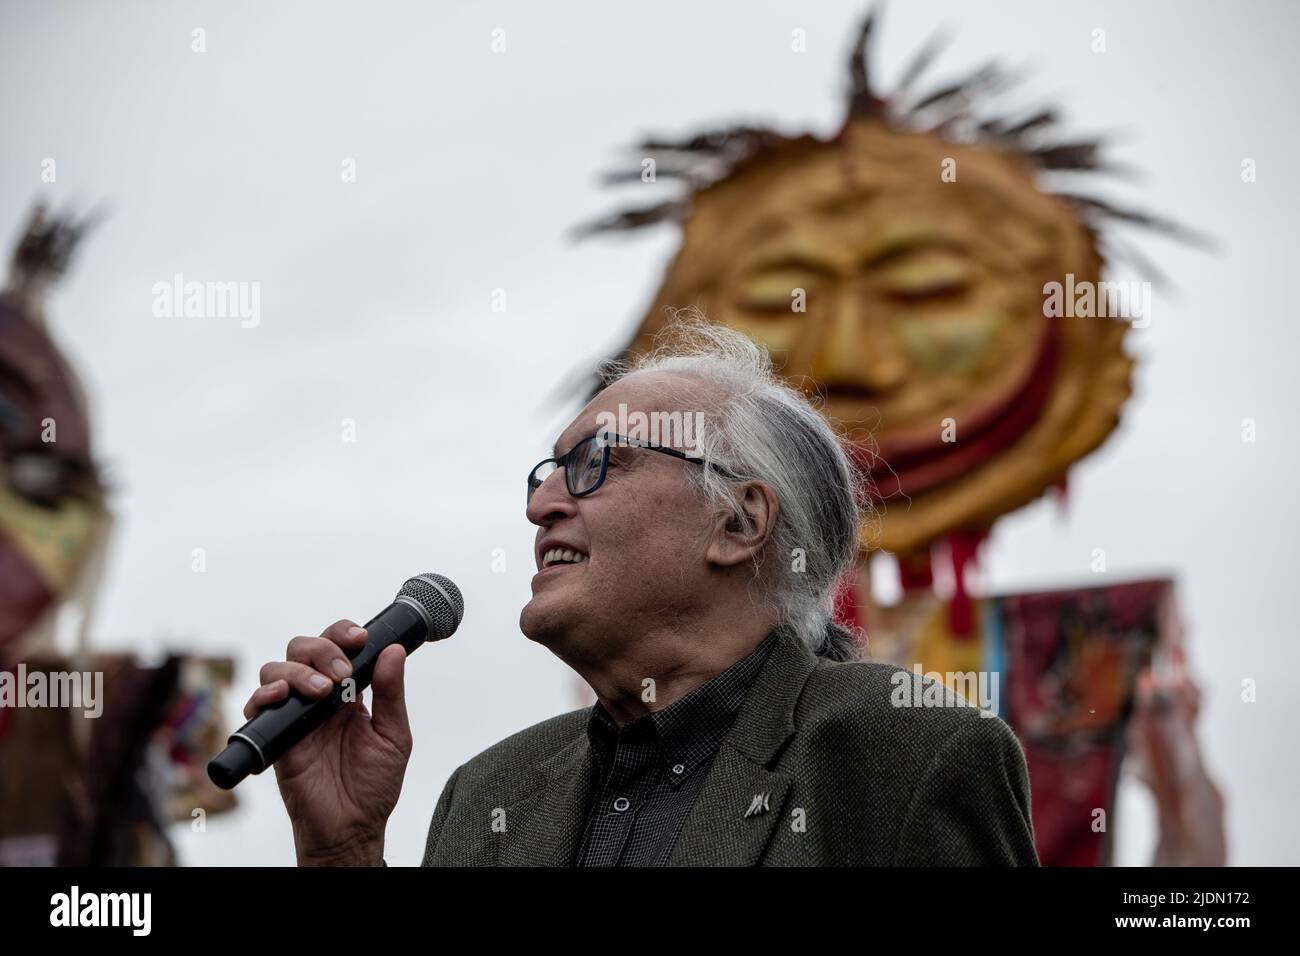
(858, 349)
(551, 501)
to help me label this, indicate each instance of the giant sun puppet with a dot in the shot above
(898, 270)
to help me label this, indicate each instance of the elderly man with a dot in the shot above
(690, 585)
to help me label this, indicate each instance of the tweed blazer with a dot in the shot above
(821, 767)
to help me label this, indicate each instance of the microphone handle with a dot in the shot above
(265, 738)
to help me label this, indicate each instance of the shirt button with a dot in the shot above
(621, 804)
(679, 769)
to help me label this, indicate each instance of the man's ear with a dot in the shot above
(739, 537)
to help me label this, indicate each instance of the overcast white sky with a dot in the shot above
(376, 306)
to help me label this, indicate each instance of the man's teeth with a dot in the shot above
(556, 555)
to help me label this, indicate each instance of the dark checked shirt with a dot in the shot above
(651, 771)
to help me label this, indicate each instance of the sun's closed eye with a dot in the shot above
(927, 274)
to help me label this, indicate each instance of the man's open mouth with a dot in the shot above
(562, 556)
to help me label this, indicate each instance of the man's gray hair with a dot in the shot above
(759, 428)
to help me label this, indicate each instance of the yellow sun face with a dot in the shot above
(901, 276)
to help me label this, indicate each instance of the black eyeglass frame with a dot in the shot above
(611, 441)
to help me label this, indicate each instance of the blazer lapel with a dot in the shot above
(735, 814)
(737, 811)
(545, 827)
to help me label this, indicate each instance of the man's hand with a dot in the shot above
(341, 782)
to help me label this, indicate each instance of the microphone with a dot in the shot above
(428, 608)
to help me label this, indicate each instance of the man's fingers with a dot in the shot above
(313, 666)
(388, 698)
(346, 634)
(321, 654)
(264, 696)
(301, 677)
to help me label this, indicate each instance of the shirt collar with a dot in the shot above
(689, 730)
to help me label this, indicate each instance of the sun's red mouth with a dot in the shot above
(913, 464)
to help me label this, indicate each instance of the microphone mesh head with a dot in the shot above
(440, 599)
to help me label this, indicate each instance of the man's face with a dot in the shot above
(643, 533)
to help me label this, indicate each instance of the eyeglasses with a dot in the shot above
(586, 463)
